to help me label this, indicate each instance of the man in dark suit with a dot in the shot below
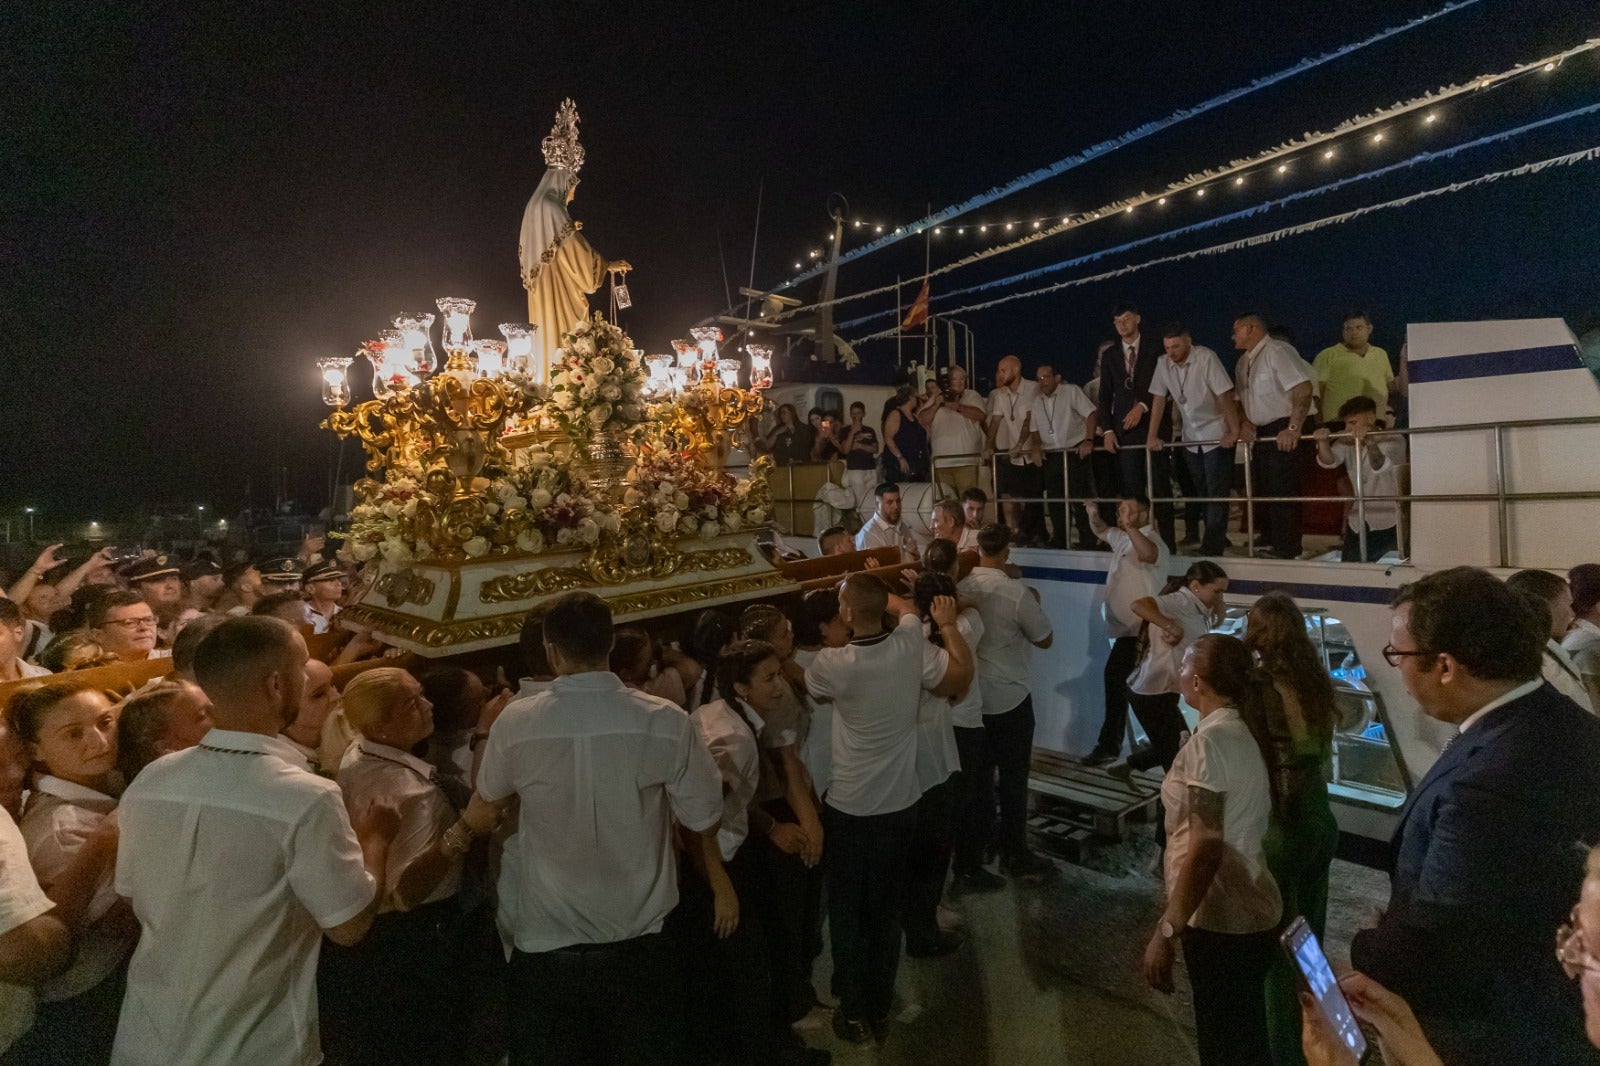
(1124, 414)
(1487, 857)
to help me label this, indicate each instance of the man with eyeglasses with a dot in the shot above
(1485, 860)
(125, 626)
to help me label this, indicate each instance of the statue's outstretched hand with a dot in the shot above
(619, 266)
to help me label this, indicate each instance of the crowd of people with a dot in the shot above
(1160, 416)
(263, 856)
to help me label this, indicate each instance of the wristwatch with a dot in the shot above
(1166, 930)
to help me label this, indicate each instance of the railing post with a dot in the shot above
(1066, 502)
(1249, 502)
(1361, 503)
(1500, 495)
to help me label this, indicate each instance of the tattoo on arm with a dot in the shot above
(1206, 805)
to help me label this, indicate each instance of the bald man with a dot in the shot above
(1016, 476)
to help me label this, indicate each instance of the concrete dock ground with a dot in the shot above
(1051, 973)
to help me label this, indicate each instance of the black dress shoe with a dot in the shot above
(978, 880)
(943, 943)
(851, 1030)
(1100, 756)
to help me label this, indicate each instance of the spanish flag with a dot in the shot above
(918, 315)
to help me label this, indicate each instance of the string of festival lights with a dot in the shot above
(1582, 155)
(1103, 148)
(1277, 160)
(1243, 213)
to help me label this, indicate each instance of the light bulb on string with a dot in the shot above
(1036, 225)
(878, 229)
(1008, 226)
(1328, 154)
(1128, 210)
(1548, 67)
(1239, 180)
(1377, 138)
(960, 230)
(983, 229)
(1200, 192)
(1430, 119)
(1283, 168)
(858, 223)
(1162, 200)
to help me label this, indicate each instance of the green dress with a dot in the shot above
(1299, 845)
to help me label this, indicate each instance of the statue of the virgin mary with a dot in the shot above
(559, 268)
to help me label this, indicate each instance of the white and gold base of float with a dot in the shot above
(437, 609)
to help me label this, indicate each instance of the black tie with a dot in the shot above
(1132, 358)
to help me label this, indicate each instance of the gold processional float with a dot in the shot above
(497, 482)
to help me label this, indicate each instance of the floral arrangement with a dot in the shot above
(685, 497)
(599, 382)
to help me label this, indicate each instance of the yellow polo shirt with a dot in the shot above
(1342, 374)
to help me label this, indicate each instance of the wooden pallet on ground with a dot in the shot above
(1088, 796)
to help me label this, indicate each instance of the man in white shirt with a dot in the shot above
(1192, 379)
(885, 529)
(590, 875)
(875, 683)
(974, 516)
(125, 626)
(957, 430)
(1552, 598)
(1138, 569)
(324, 587)
(238, 861)
(1013, 625)
(1274, 388)
(1060, 436)
(1015, 478)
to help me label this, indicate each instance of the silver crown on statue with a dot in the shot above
(561, 148)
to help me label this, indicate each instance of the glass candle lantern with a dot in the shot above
(457, 312)
(760, 365)
(335, 379)
(491, 357)
(706, 338)
(728, 373)
(660, 384)
(414, 327)
(519, 346)
(688, 363)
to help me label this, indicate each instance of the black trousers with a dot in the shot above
(727, 983)
(1106, 472)
(1017, 482)
(1119, 664)
(790, 898)
(973, 815)
(1277, 473)
(1212, 474)
(1010, 742)
(866, 859)
(74, 1032)
(1188, 488)
(1077, 485)
(401, 995)
(1228, 972)
(1379, 543)
(1130, 461)
(1163, 723)
(607, 1004)
(928, 863)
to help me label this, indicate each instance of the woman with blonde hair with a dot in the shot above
(1294, 721)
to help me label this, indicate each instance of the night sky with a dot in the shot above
(202, 201)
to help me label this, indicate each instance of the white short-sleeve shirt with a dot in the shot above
(1157, 672)
(1062, 418)
(937, 754)
(816, 752)
(21, 901)
(876, 687)
(737, 753)
(952, 433)
(236, 859)
(1222, 757)
(876, 533)
(1128, 579)
(1265, 375)
(60, 816)
(1011, 408)
(602, 770)
(1013, 622)
(1195, 388)
(373, 772)
(1389, 453)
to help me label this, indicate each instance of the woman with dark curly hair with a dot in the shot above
(1295, 728)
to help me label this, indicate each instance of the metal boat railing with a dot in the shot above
(1501, 497)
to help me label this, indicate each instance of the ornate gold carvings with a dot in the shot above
(619, 562)
(404, 586)
(551, 579)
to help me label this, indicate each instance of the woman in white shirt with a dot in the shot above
(1185, 611)
(1220, 896)
(71, 732)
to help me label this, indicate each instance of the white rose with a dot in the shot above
(601, 365)
(631, 411)
(612, 393)
(391, 509)
(539, 499)
(599, 414)
(588, 531)
(708, 530)
(682, 500)
(563, 536)
(687, 525)
(536, 457)
(609, 520)
(363, 551)
(531, 540)
(409, 509)
(566, 400)
(708, 513)
(756, 516)
(666, 521)
(395, 550)
(476, 547)
(733, 523)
